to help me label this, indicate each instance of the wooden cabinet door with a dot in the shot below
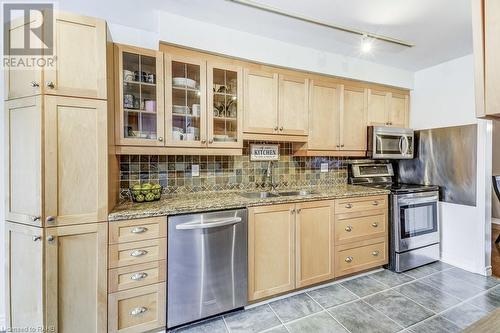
(24, 276)
(398, 111)
(75, 160)
(271, 250)
(314, 227)
(23, 160)
(76, 283)
(378, 108)
(261, 102)
(293, 116)
(140, 117)
(80, 47)
(353, 119)
(225, 105)
(21, 82)
(324, 115)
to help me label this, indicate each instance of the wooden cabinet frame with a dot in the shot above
(120, 138)
(296, 110)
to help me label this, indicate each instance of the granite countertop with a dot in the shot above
(174, 204)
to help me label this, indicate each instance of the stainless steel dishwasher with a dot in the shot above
(207, 265)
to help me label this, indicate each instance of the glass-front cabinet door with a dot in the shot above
(224, 105)
(185, 102)
(140, 100)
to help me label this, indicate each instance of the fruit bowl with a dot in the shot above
(145, 192)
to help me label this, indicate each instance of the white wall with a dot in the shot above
(444, 96)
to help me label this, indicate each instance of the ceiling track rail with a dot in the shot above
(367, 34)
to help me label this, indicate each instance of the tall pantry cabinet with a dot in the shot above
(59, 153)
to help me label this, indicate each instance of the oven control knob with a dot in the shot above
(348, 228)
(348, 259)
(374, 224)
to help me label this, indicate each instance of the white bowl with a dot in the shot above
(180, 109)
(184, 82)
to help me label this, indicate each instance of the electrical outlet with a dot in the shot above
(195, 170)
(324, 167)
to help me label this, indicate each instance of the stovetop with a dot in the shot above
(404, 188)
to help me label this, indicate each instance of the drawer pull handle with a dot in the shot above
(375, 203)
(349, 206)
(139, 230)
(348, 259)
(348, 228)
(375, 253)
(139, 276)
(138, 253)
(138, 311)
(374, 224)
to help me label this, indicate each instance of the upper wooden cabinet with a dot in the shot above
(59, 177)
(79, 67)
(139, 96)
(353, 119)
(275, 105)
(387, 109)
(486, 29)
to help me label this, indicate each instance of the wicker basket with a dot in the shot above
(145, 193)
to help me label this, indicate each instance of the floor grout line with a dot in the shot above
(325, 310)
(282, 323)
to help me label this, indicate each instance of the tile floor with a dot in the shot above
(434, 298)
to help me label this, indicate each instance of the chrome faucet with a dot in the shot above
(269, 176)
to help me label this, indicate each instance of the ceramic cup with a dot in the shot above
(189, 137)
(177, 136)
(128, 75)
(150, 105)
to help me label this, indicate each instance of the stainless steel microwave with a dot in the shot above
(390, 143)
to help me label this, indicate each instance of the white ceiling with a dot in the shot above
(440, 29)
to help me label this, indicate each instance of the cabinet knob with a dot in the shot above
(139, 230)
(51, 219)
(374, 224)
(138, 253)
(160, 138)
(338, 146)
(276, 128)
(292, 211)
(34, 84)
(203, 141)
(342, 146)
(348, 206)
(375, 203)
(50, 238)
(35, 218)
(348, 259)
(36, 238)
(299, 210)
(139, 276)
(281, 128)
(210, 141)
(51, 85)
(375, 253)
(348, 228)
(139, 310)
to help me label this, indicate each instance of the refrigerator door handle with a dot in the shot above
(214, 224)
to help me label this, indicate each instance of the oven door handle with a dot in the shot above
(214, 224)
(413, 201)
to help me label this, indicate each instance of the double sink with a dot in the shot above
(263, 195)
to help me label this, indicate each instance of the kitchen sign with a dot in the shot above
(264, 152)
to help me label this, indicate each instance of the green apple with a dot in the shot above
(157, 196)
(136, 189)
(156, 189)
(146, 188)
(150, 196)
(139, 198)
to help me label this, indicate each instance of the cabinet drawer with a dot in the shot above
(360, 204)
(137, 252)
(136, 276)
(360, 256)
(137, 310)
(360, 228)
(137, 230)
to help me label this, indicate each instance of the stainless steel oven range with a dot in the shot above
(413, 217)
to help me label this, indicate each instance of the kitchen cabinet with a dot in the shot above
(75, 278)
(486, 29)
(387, 109)
(314, 234)
(78, 61)
(324, 115)
(139, 96)
(271, 250)
(24, 268)
(293, 110)
(56, 160)
(353, 117)
(56, 277)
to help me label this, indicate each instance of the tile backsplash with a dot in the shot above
(219, 173)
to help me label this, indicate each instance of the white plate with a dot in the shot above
(180, 109)
(184, 82)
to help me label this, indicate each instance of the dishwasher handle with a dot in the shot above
(214, 224)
